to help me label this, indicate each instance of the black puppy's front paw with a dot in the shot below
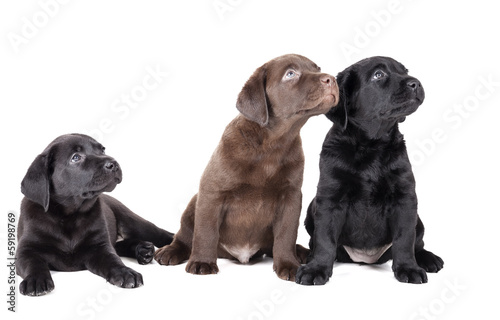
(36, 285)
(313, 274)
(429, 261)
(144, 252)
(125, 277)
(410, 274)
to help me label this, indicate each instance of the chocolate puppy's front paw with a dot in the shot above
(313, 274)
(38, 285)
(144, 252)
(197, 267)
(286, 270)
(125, 277)
(172, 254)
(410, 274)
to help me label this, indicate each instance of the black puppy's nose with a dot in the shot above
(111, 166)
(413, 84)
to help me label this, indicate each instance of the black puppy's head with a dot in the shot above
(376, 90)
(73, 168)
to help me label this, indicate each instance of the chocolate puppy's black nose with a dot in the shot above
(413, 84)
(111, 166)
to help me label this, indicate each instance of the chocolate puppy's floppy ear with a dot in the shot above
(35, 185)
(348, 82)
(252, 100)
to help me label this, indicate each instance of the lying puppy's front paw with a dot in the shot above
(36, 285)
(125, 277)
(313, 274)
(410, 274)
(144, 252)
(286, 270)
(196, 267)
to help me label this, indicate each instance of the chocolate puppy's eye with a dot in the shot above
(290, 74)
(76, 157)
(379, 74)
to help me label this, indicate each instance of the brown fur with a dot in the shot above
(249, 200)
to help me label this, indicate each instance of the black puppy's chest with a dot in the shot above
(75, 237)
(367, 173)
(371, 180)
(368, 212)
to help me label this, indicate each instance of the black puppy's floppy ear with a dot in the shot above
(35, 185)
(252, 100)
(348, 83)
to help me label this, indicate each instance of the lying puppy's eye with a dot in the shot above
(76, 157)
(379, 74)
(290, 74)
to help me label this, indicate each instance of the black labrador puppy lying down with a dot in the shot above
(365, 209)
(67, 224)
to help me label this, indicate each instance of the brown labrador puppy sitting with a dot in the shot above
(249, 200)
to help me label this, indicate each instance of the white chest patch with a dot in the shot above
(242, 253)
(366, 256)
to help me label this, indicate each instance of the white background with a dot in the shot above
(69, 67)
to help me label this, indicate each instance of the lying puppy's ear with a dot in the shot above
(35, 185)
(252, 100)
(348, 82)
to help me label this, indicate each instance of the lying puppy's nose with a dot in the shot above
(413, 84)
(111, 166)
(327, 80)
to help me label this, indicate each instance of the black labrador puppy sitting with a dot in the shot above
(67, 224)
(365, 209)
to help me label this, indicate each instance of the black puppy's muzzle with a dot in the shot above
(110, 171)
(416, 88)
(413, 84)
(106, 176)
(111, 166)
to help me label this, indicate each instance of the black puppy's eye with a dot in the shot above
(103, 149)
(379, 74)
(76, 157)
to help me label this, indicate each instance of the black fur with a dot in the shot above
(366, 192)
(66, 224)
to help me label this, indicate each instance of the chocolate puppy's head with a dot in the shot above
(376, 91)
(72, 170)
(287, 88)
